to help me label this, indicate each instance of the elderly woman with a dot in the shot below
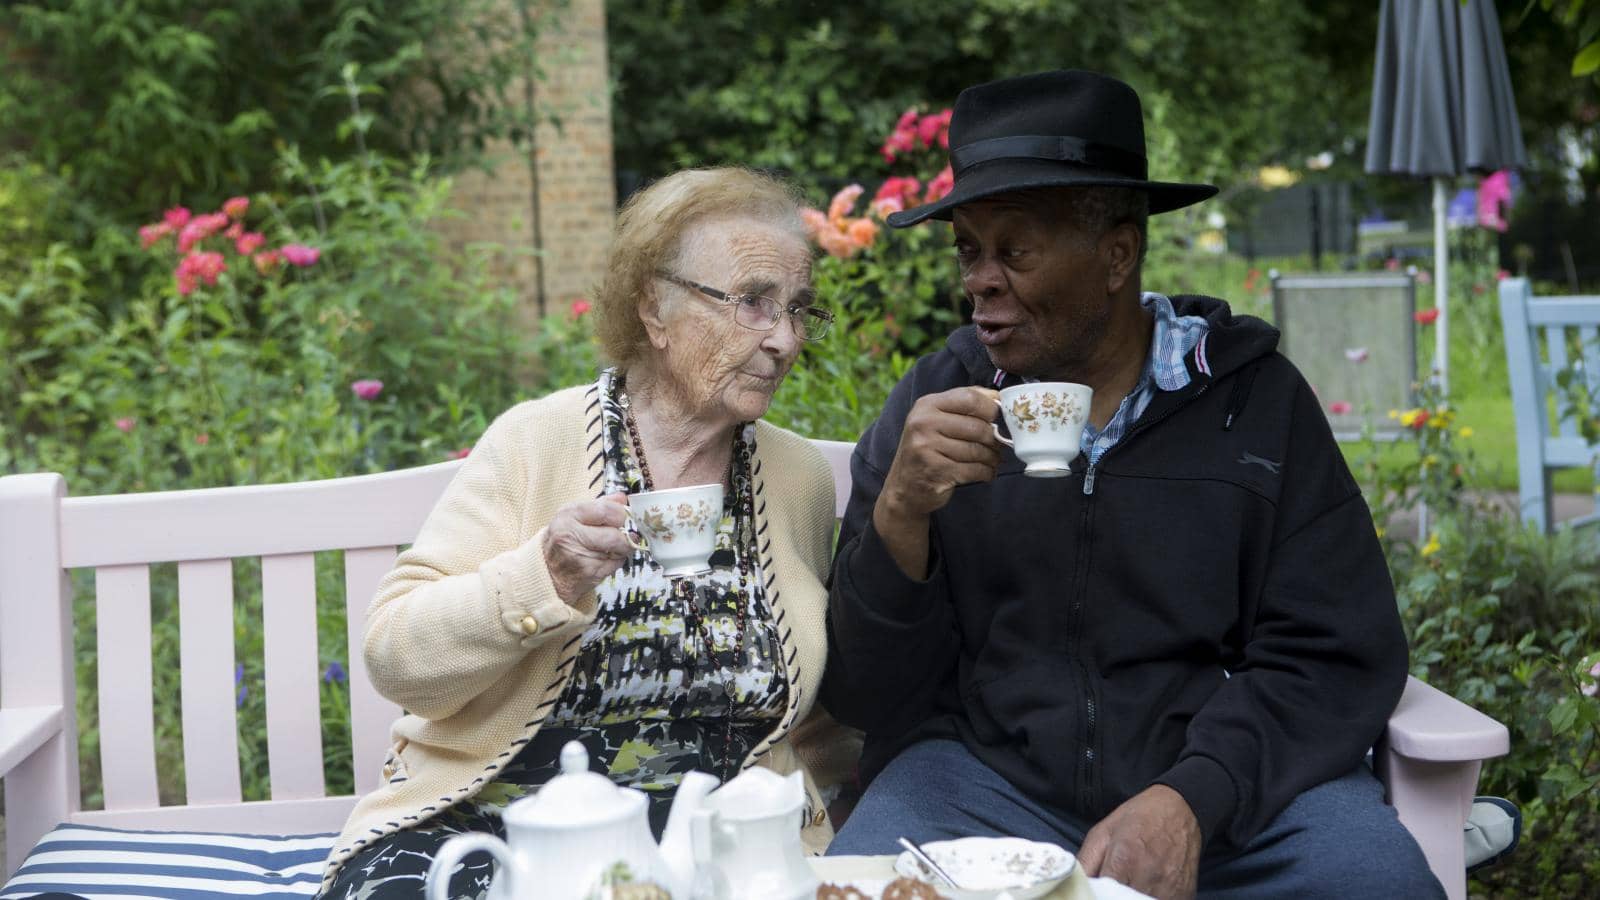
(522, 618)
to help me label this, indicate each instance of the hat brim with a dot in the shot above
(1022, 175)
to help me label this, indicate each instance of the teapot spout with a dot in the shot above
(677, 848)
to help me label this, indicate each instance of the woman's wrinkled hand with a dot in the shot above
(584, 543)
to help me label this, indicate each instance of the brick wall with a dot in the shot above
(561, 207)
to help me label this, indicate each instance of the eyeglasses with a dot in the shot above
(760, 313)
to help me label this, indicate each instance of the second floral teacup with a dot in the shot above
(678, 526)
(1046, 422)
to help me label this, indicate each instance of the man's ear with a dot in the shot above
(1121, 246)
(652, 312)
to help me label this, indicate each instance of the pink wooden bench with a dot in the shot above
(1429, 758)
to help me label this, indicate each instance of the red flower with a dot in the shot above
(896, 194)
(940, 185)
(1340, 408)
(579, 307)
(150, 234)
(202, 439)
(935, 129)
(235, 231)
(177, 217)
(1426, 316)
(236, 207)
(367, 388)
(1501, 275)
(267, 260)
(199, 267)
(903, 139)
(249, 242)
(124, 424)
(301, 255)
(459, 454)
(1420, 421)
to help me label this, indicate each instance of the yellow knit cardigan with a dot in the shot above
(468, 635)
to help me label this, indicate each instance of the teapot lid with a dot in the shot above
(577, 796)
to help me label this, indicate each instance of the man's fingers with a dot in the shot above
(976, 402)
(1092, 853)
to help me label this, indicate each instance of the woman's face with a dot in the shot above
(722, 370)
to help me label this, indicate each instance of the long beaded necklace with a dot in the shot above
(684, 588)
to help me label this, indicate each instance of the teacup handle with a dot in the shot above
(451, 853)
(633, 534)
(995, 427)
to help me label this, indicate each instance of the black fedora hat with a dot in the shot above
(1066, 128)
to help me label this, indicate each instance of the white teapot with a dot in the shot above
(746, 838)
(562, 841)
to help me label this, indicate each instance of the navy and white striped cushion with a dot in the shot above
(113, 864)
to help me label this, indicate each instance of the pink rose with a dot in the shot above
(236, 207)
(579, 307)
(896, 194)
(940, 185)
(935, 129)
(843, 202)
(199, 267)
(124, 424)
(267, 260)
(249, 242)
(177, 217)
(301, 255)
(150, 234)
(863, 232)
(367, 388)
(1340, 408)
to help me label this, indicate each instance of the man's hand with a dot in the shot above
(584, 543)
(1151, 843)
(946, 442)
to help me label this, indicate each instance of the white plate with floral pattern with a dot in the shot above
(990, 867)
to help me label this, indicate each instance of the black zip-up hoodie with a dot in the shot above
(1207, 608)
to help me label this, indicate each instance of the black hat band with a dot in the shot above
(1054, 147)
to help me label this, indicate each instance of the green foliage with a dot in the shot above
(782, 84)
(1496, 613)
(250, 380)
(143, 103)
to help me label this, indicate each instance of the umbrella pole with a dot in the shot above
(1441, 289)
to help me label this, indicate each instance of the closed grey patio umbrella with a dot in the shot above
(1441, 107)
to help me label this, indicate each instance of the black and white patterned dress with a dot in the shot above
(645, 696)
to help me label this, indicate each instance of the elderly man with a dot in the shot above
(1174, 658)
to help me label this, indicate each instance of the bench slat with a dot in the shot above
(127, 716)
(205, 650)
(370, 713)
(1563, 310)
(250, 520)
(294, 710)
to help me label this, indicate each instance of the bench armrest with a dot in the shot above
(24, 729)
(1431, 725)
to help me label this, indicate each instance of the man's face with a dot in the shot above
(1038, 284)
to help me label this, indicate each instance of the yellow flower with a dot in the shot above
(1465, 431)
(1432, 546)
(1394, 413)
(1409, 417)
(1430, 460)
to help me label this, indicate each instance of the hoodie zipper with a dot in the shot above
(1086, 791)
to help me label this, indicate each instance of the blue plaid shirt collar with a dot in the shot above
(1173, 338)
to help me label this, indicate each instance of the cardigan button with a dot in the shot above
(530, 625)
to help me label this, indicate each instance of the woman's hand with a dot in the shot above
(584, 544)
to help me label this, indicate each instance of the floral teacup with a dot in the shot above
(678, 527)
(1046, 421)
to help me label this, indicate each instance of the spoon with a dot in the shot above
(927, 863)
